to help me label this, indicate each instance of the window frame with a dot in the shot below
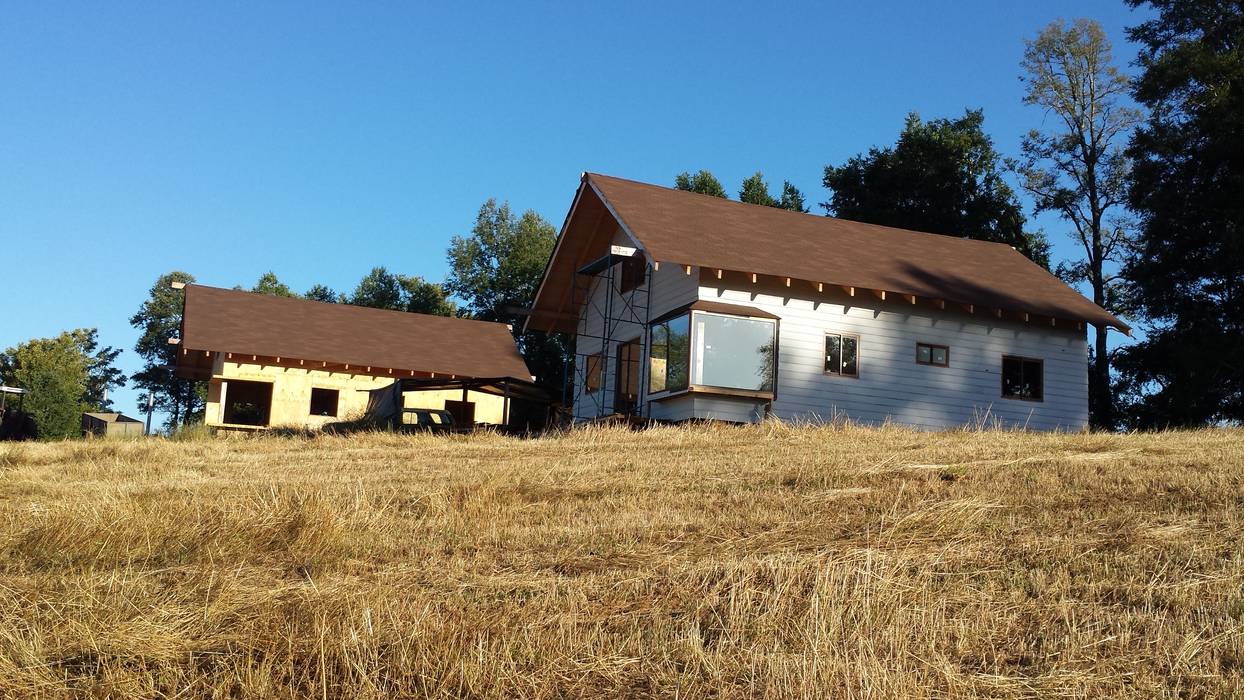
(931, 347)
(692, 337)
(1002, 377)
(858, 355)
(336, 402)
(593, 361)
(634, 273)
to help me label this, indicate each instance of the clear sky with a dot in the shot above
(231, 138)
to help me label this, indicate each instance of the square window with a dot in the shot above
(842, 354)
(1023, 378)
(936, 355)
(324, 402)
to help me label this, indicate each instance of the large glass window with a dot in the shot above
(842, 355)
(734, 352)
(1022, 378)
(668, 352)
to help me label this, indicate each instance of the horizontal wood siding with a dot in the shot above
(672, 288)
(892, 387)
(704, 407)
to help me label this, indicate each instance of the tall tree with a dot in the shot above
(702, 182)
(102, 374)
(269, 283)
(55, 373)
(1186, 275)
(756, 191)
(322, 293)
(942, 176)
(379, 289)
(496, 270)
(423, 297)
(158, 320)
(1078, 170)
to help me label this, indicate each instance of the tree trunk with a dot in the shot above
(1101, 400)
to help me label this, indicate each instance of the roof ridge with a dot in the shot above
(342, 305)
(819, 217)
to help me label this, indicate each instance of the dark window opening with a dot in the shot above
(626, 395)
(842, 355)
(247, 403)
(633, 271)
(1023, 378)
(936, 355)
(324, 402)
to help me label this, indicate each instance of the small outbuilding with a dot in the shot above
(280, 362)
(110, 425)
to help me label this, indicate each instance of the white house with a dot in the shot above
(685, 306)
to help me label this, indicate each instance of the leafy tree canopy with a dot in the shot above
(55, 372)
(942, 176)
(269, 284)
(702, 182)
(756, 191)
(496, 270)
(158, 320)
(1186, 274)
(379, 289)
(423, 297)
(321, 293)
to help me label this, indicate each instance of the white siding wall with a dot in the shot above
(671, 288)
(891, 386)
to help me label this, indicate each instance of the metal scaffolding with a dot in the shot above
(599, 320)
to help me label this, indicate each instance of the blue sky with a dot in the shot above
(227, 139)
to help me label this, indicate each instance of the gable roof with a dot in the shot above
(231, 321)
(685, 228)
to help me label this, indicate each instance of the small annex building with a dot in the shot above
(686, 306)
(104, 424)
(282, 362)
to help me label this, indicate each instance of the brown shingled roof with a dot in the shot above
(230, 321)
(685, 228)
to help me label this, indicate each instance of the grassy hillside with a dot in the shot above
(696, 562)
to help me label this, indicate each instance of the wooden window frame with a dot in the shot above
(592, 361)
(1002, 378)
(858, 355)
(931, 347)
(336, 402)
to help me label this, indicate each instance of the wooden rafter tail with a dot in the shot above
(686, 269)
(850, 291)
(910, 298)
(820, 287)
(970, 308)
(719, 273)
(753, 278)
(787, 281)
(997, 312)
(880, 293)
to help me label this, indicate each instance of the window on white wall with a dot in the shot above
(734, 352)
(842, 355)
(1023, 378)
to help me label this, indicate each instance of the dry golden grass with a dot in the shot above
(766, 561)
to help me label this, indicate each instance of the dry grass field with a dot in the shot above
(692, 562)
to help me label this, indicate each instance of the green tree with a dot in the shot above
(269, 284)
(496, 270)
(158, 320)
(792, 198)
(1185, 275)
(102, 374)
(379, 289)
(423, 297)
(1078, 169)
(55, 372)
(702, 182)
(942, 176)
(756, 191)
(321, 293)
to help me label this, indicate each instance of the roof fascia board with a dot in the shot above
(561, 237)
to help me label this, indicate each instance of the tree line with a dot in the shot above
(1145, 173)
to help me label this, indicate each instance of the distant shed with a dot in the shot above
(111, 425)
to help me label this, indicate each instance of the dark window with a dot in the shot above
(936, 355)
(592, 368)
(633, 269)
(842, 355)
(668, 353)
(626, 394)
(324, 402)
(246, 403)
(1022, 378)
